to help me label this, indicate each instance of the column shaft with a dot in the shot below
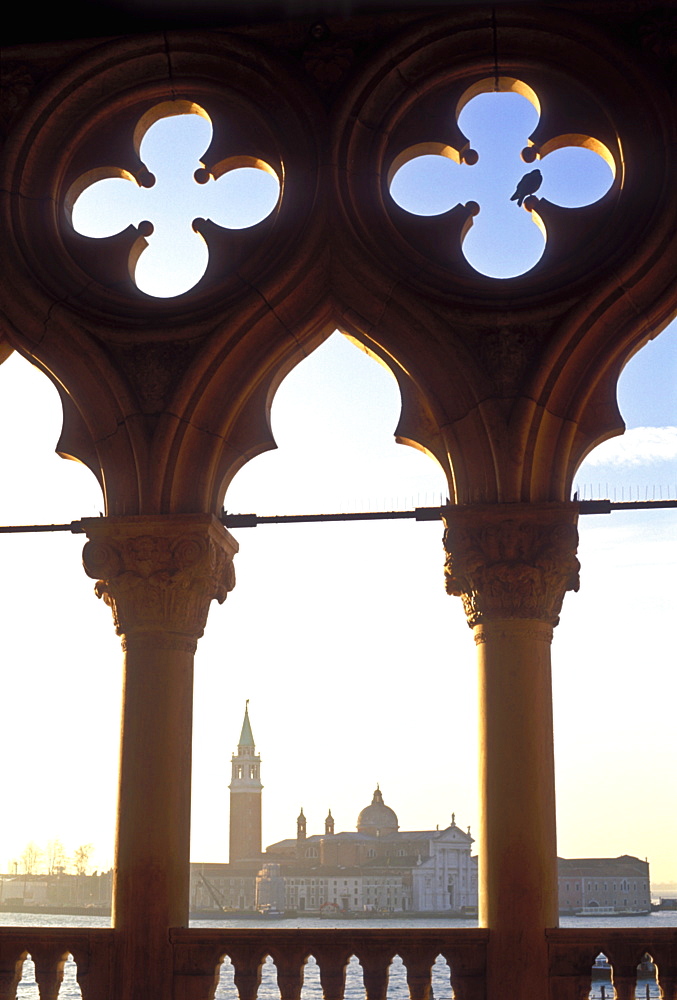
(151, 887)
(517, 841)
(511, 564)
(159, 576)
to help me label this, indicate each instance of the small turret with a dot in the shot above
(301, 826)
(329, 824)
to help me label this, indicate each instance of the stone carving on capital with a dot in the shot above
(511, 561)
(160, 575)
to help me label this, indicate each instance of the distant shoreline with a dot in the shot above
(58, 911)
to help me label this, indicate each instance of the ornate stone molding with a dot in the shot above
(516, 628)
(160, 574)
(509, 561)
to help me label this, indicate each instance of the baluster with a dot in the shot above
(668, 985)
(193, 986)
(468, 987)
(11, 966)
(624, 959)
(289, 965)
(625, 984)
(468, 972)
(375, 967)
(571, 970)
(418, 979)
(570, 987)
(196, 972)
(94, 976)
(665, 959)
(247, 972)
(333, 964)
(49, 964)
(419, 963)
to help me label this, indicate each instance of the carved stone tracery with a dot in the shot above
(511, 560)
(159, 575)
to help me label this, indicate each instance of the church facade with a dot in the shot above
(378, 867)
(375, 868)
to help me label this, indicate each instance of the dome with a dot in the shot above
(378, 819)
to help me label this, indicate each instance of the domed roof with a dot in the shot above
(378, 819)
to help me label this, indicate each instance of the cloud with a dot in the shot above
(638, 446)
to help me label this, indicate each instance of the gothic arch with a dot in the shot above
(118, 356)
(510, 382)
(550, 343)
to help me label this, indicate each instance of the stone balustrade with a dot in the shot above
(49, 947)
(198, 954)
(573, 951)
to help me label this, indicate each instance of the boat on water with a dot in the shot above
(608, 911)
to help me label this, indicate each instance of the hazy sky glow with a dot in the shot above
(358, 667)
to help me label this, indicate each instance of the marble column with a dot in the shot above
(511, 564)
(159, 576)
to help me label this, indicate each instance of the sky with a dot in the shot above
(359, 669)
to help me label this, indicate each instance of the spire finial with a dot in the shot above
(246, 736)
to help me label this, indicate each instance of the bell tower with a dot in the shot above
(245, 796)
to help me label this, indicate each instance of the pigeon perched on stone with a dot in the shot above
(529, 183)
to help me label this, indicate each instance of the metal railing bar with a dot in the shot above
(230, 520)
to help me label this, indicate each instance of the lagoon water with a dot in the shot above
(397, 985)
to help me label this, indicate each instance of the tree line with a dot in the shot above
(54, 859)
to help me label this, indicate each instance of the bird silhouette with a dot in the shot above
(529, 183)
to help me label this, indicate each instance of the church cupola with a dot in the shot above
(378, 819)
(301, 826)
(329, 824)
(245, 796)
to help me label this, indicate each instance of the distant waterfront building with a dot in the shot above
(270, 889)
(215, 886)
(376, 867)
(56, 893)
(590, 884)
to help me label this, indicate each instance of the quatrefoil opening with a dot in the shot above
(468, 185)
(171, 206)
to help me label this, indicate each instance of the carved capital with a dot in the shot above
(160, 574)
(511, 560)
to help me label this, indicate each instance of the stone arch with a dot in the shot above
(547, 341)
(582, 409)
(227, 396)
(117, 355)
(5, 349)
(446, 411)
(510, 384)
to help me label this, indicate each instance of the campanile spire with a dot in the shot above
(245, 796)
